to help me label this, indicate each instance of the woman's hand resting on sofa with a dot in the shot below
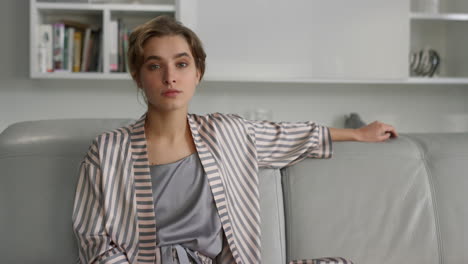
(374, 132)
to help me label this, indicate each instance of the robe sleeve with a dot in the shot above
(94, 244)
(282, 144)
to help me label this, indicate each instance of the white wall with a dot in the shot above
(410, 108)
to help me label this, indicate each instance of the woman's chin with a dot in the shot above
(168, 107)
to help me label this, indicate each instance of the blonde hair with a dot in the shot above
(158, 27)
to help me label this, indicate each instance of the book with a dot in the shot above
(45, 48)
(121, 59)
(125, 45)
(100, 58)
(58, 45)
(86, 47)
(96, 40)
(77, 49)
(113, 48)
(70, 48)
(65, 50)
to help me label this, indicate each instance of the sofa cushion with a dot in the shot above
(272, 216)
(370, 203)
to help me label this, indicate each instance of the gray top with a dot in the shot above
(186, 215)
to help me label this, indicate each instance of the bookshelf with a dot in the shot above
(98, 15)
(443, 26)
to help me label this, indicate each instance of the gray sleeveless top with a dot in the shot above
(186, 215)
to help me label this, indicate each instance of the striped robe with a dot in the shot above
(113, 213)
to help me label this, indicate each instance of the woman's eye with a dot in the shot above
(183, 64)
(153, 67)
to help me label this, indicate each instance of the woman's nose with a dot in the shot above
(169, 76)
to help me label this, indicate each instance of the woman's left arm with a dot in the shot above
(374, 132)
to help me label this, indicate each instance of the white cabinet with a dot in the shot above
(303, 40)
(98, 14)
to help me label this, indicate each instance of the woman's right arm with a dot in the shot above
(95, 246)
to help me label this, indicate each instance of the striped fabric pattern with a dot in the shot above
(113, 214)
(322, 261)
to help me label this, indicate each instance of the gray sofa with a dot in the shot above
(400, 201)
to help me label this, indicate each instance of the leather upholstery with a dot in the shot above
(371, 203)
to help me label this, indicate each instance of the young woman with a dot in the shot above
(176, 187)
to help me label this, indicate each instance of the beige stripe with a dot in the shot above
(117, 259)
(140, 153)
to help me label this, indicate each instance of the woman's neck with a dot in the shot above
(166, 127)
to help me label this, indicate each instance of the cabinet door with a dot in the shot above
(305, 39)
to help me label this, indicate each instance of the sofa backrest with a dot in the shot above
(399, 201)
(403, 200)
(40, 161)
(445, 158)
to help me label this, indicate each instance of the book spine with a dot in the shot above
(98, 51)
(89, 52)
(101, 50)
(113, 34)
(86, 47)
(94, 51)
(65, 50)
(45, 48)
(125, 44)
(120, 46)
(59, 43)
(77, 46)
(70, 49)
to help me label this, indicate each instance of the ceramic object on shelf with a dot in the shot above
(425, 62)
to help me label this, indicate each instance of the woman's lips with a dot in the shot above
(171, 93)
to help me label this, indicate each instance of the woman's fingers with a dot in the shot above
(385, 137)
(377, 131)
(390, 129)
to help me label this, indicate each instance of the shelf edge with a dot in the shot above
(440, 16)
(111, 7)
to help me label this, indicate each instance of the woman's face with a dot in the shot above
(168, 64)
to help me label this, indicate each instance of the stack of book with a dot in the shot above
(69, 46)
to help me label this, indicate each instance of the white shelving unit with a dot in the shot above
(42, 12)
(444, 29)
